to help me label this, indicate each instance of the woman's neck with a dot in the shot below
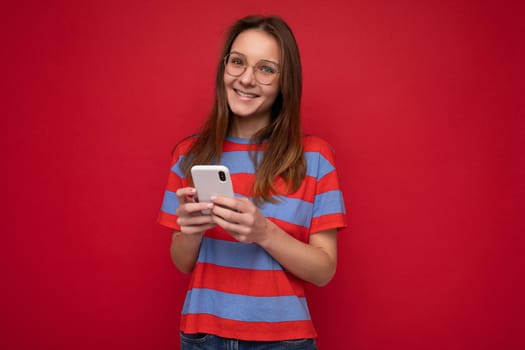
(246, 127)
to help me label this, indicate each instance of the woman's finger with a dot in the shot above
(237, 204)
(189, 230)
(195, 220)
(186, 194)
(226, 213)
(193, 208)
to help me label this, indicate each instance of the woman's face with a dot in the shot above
(247, 97)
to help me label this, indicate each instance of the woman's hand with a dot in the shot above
(190, 217)
(240, 218)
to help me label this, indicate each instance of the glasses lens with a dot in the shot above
(265, 72)
(234, 65)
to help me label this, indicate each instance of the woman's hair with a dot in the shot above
(282, 138)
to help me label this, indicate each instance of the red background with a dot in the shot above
(422, 100)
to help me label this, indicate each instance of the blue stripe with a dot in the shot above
(317, 165)
(292, 210)
(170, 203)
(238, 162)
(236, 254)
(330, 202)
(176, 168)
(246, 308)
(239, 140)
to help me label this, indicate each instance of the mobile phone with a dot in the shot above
(211, 180)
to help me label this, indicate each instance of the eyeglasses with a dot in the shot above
(264, 71)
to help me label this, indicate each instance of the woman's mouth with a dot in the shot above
(245, 94)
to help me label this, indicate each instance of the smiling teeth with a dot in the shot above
(244, 94)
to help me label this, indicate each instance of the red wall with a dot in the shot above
(423, 102)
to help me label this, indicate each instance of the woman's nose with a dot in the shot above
(248, 77)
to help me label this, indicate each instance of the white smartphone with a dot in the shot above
(211, 180)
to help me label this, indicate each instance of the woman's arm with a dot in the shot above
(184, 250)
(185, 244)
(315, 261)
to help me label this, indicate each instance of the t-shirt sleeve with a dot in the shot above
(167, 215)
(329, 207)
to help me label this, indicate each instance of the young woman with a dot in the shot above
(251, 257)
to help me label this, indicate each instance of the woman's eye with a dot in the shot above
(236, 61)
(267, 69)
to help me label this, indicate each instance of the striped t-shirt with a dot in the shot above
(238, 290)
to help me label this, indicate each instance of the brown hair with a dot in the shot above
(283, 153)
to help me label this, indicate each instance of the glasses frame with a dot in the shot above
(225, 62)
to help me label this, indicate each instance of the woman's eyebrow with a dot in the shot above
(237, 52)
(264, 59)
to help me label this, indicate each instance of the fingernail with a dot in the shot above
(213, 198)
(209, 205)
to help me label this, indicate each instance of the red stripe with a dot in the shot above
(175, 182)
(316, 144)
(243, 183)
(255, 331)
(168, 220)
(310, 144)
(230, 146)
(246, 282)
(181, 149)
(219, 233)
(305, 192)
(299, 232)
(328, 221)
(329, 182)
